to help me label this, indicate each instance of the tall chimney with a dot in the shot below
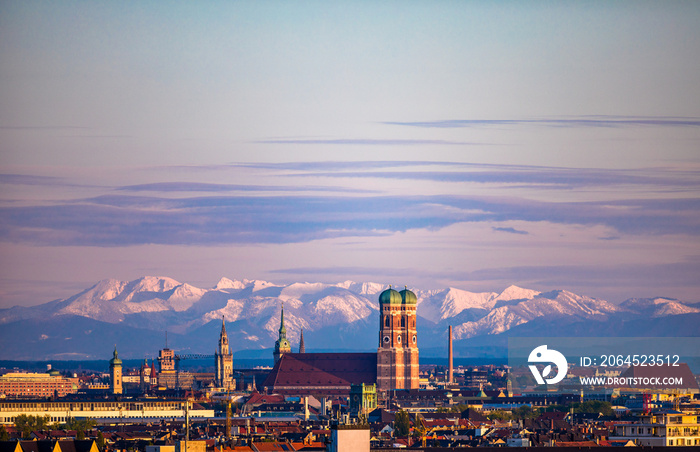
(449, 357)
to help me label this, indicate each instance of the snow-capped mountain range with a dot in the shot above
(333, 317)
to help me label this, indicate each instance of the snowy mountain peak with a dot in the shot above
(341, 314)
(367, 288)
(185, 296)
(517, 293)
(443, 304)
(258, 285)
(228, 284)
(153, 284)
(297, 290)
(658, 307)
(107, 289)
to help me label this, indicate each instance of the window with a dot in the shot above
(386, 321)
(403, 322)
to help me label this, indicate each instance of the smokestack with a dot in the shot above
(449, 357)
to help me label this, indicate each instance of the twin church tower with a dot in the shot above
(397, 356)
(397, 353)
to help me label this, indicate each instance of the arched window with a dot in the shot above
(386, 321)
(403, 322)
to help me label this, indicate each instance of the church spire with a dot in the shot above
(223, 338)
(302, 348)
(283, 330)
(282, 345)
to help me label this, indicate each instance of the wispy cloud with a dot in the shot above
(130, 220)
(510, 230)
(165, 187)
(581, 121)
(344, 271)
(367, 142)
(25, 179)
(542, 177)
(43, 128)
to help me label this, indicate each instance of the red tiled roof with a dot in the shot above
(321, 373)
(256, 398)
(272, 446)
(576, 444)
(315, 445)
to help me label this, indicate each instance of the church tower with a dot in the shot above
(397, 355)
(223, 359)
(115, 371)
(282, 345)
(302, 347)
(408, 324)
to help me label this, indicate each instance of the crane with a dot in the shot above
(421, 428)
(178, 358)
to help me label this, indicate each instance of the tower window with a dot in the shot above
(386, 321)
(403, 322)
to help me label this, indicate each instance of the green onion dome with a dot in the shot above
(408, 297)
(389, 296)
(115, 360)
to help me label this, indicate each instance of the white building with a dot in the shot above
(664, 429)
(60, 410)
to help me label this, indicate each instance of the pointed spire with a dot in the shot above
(282, 344)
(223, 339)
(302, 348)
(283, 330)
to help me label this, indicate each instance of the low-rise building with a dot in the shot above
(60, 410)
(661, 429)
(37, 385)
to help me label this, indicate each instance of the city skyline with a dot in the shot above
(472, 145)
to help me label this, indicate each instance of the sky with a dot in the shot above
(434, 144)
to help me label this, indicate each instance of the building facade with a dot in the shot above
(61, 410)
(166, 360)
(397, 355)
(36, 385)
(663, 429)
(363, 399)
(223, 361)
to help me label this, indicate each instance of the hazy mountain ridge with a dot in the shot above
(342, 315)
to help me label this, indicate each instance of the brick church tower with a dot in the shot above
(397, 355)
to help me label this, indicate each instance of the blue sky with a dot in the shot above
(468, 144)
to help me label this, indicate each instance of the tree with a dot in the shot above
(499, 415)
(80, 426)
(594, 406)
(100, 441)
(27, 424)
(524, 412)
(402, 423)
(4, 436)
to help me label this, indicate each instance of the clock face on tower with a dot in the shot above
(398, 339)
(386, 339)
(414, 338)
